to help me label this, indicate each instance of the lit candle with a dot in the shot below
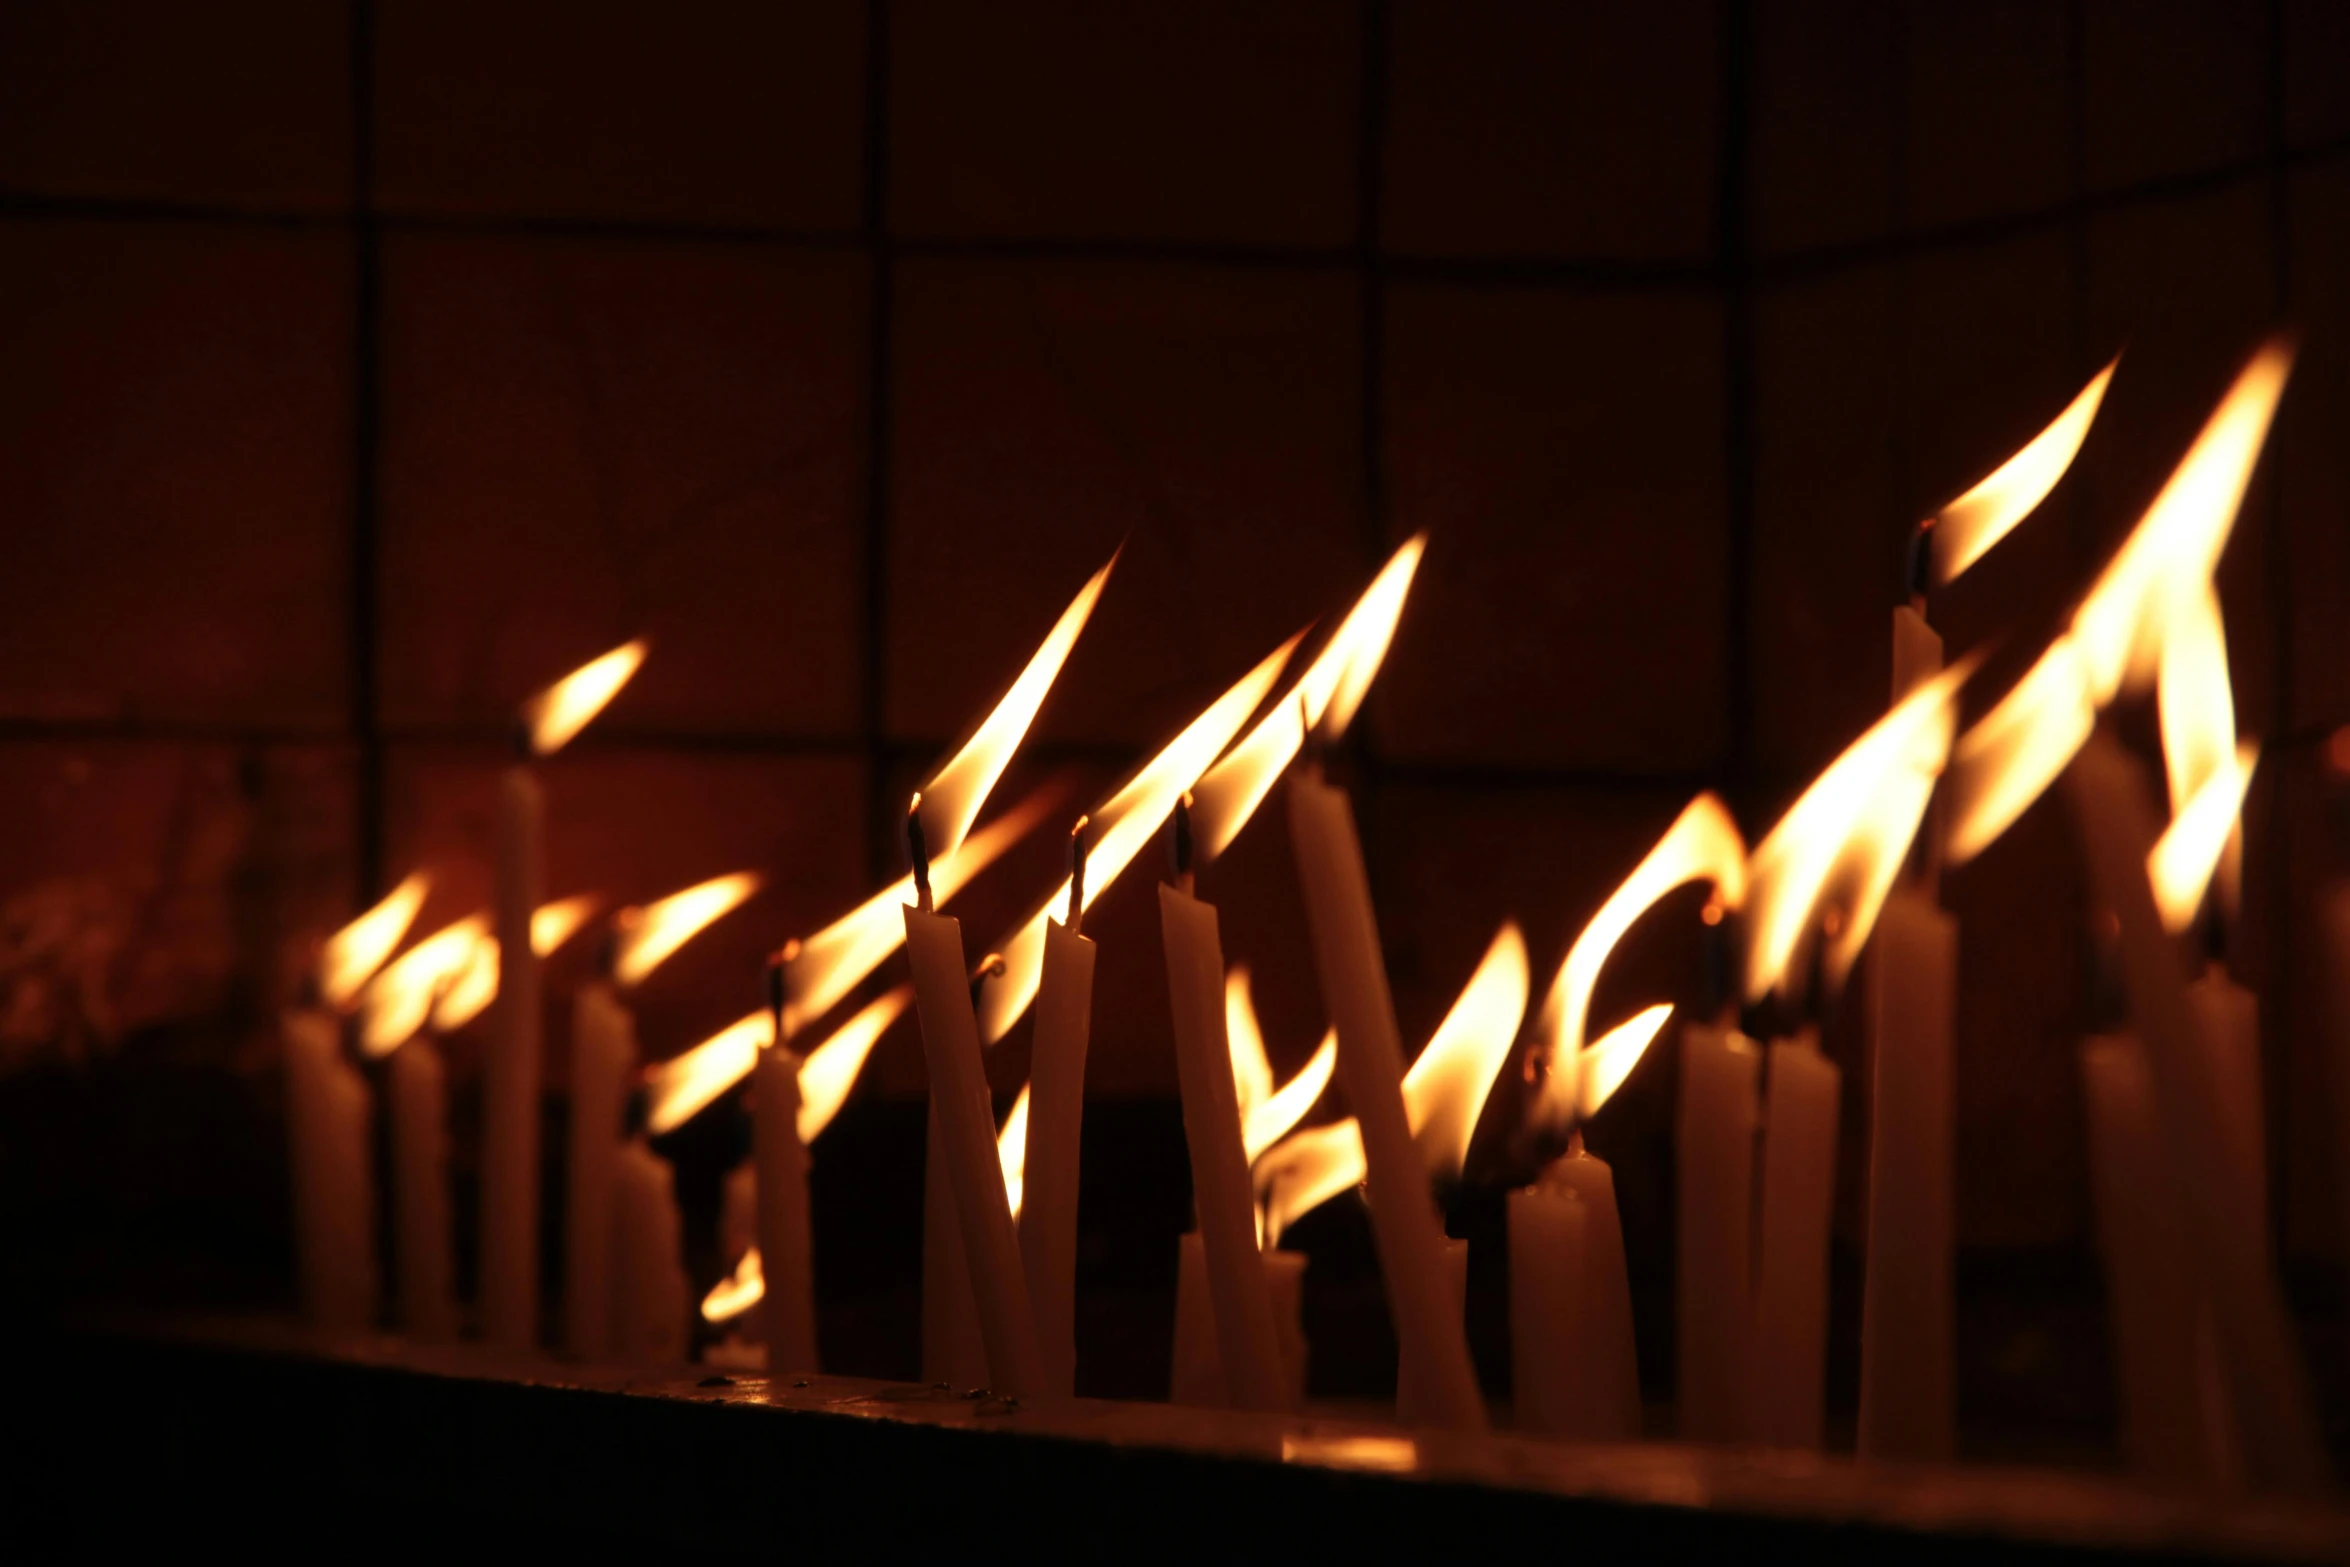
(1417, 1402)
(651, 1300)
(954, 1354)
(1787, 1356)
(1370, 1063)
(603, 1058)
(1714, 1139)
(420, 1176)
(786, 1246)
(1056, 1075)
(328, 1116)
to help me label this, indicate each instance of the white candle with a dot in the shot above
(650, 1298)
(1716, 1150)
(966, 1123)
(1198, 1374)
(328, 1116)
(953, 1352)
(1370, 1064)
(1612, 1370)
(1907, 1363)
(1285, 1279)
(1056, 1113)
(510, 1085)
(1248, 1344)
(1787, 1356)
(420, 1173)
(738, 1209)
(2230, 1019)
(2267, 1384)
(1415, 1399)
(2150, 1292)
(1550, 1315)
(603, 1054)
(786, 1251)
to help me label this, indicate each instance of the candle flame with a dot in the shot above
(1703, 844)
(1610, 1058)
(1121, 825)
(1966, 528)
(2198, 710)
(643, 938)
(2147, 592)
(1443, 1094)
(1011, 1150)
(837, 958)
(681, 1087)
(954, 794)
(399, 1000)
(1325, 698)
(738, 1292)
(552, 924)
(831, 1069)
(1252, 1069)
(1267, 1114)
(555, 715)
(1847, 836)
(2193, 846)
(470, 991)
(353, 954)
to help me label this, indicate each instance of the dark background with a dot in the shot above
(365, 366)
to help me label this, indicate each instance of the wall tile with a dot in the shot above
(1827, 108)
(2189, 286)
(1986, 112)
(1564, 453)
(2317, 58)
(2313, 433)
(1830, 532)
(153, 883)
(1559, 132)
(244, 104)
(689, 113)
(634, 824)
(1219, 123)
(2171, 86)
(175, 470)
(587, 439)
(1205, 418)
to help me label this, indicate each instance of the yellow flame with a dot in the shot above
(400, 999)
(679, 1088)
(1703, 844)
(561, 711)
(2198, 709)
(831, 1069)
(1326, 697)
(2182, 861)
(1847, 835)
(737, 1293)
(1270, 1120)
(1611, 1057)
(353, 954)
(2015, 751)
(1252, 1069)
(1011, 1150)
(552, 924)
(474, 986)
(1122, 824)
(644, 938)
(1443, 1094)
(954, 794)
(1980, 518)
(837, 958)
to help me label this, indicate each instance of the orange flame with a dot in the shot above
(644, 938)
(954, 794)
(1252, 1069)
(2198, 708)
(2117, 635)
(737, 1293)
(2196, 842)
(832, 1067)
(475, 986)
(1610, 1058)
(1703, 844)
(1443, 1094)
(1848, 833)
(679, 1088)
(1966, 528)
(552, 924)
(1267, 1114)
(1122, 824)
(561, 711)
(1325, 698)
(1011, 1150)
(353, 954)
(400, 999)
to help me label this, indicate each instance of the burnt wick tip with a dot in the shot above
(919, 852)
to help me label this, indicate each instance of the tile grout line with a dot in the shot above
(1733, 248)
(367, 433)
(880, 390)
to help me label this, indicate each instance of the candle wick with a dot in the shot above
(1077, 849)
(778, 989)
(1920, 569)
(920, 853)
(1179, 845)
(1575, 1141)
(989, 967)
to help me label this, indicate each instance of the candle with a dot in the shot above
(420, 1175)
(1056, 1075)
(1551, 1325)
(1416, 1401)
(1248, 1344)
(1370, 1063)
(953, 1352)
(1787, 1354)
(2268, 1390)
(603, 1055)
(1715, 1139)
(786, 1254)
(966, 1135)
(1198, 1378)
(650, 1298)
(510, 1085)
(328, 1113)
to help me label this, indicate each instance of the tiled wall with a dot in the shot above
(362, 367)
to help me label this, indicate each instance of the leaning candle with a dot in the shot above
(953, 1351)
(1715, 1139)
(1370, 1063)
(420, 1175)
(1056, 1075)
(1787, 1355)
(1248, 1345)
(603, 1055)
(328, 1112)
(787, 1255)
(650, 1298)
(2268, 1388)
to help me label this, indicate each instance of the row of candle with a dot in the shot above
(2212, 1388)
